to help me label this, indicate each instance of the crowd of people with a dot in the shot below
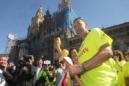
(94, 64)
(26, 72)
(32, 72)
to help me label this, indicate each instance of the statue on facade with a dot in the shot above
(64, 53)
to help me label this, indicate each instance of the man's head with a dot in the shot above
(80, 26)
(118, 55)
(39, 62)
(29, 59)
(127, 55)
(3, 61)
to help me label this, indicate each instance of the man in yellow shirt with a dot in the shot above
(96, 67)
(126, 73)
(126, 69)
(120, 62)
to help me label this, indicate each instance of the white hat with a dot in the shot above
(69, 60)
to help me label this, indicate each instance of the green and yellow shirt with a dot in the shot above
(105, 74)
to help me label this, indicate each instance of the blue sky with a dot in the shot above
(15, 15)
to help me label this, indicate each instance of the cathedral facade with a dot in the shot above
(46, 26)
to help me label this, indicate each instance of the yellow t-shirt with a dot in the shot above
(104, 75)
(120, 71)
(126, 69)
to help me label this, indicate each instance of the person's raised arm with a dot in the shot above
(104, 53)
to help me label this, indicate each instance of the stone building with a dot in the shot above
(120, 35)
(16, 47)
(46, 26)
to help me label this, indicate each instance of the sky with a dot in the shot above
(16, 15)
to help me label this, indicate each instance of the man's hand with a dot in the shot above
(25, 69)
(74, 70)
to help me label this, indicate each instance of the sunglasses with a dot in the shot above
(61, 62)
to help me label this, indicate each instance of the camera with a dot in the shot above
(27, 58)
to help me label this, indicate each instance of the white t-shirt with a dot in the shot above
(2, 79)
(37, 71)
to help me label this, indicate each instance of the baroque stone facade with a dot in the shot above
(120, 35)
(45, 27)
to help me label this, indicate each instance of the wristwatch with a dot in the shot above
(82, 69)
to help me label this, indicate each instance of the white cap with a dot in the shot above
(69, 60)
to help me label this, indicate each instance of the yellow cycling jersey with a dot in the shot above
(126, 69)
(120, 71)
(105, 74)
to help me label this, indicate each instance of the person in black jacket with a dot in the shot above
(26, 74)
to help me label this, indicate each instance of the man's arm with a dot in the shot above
(104, 53)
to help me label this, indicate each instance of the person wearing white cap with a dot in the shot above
(64, 77)
(68, 60)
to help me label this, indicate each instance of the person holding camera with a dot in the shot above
(26, 74)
